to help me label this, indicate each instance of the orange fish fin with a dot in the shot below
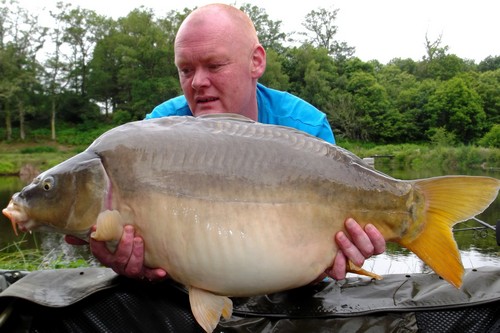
(207, 308)
(352, 268)
(448, 200)
(109, 226)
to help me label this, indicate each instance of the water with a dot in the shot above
(478, 247)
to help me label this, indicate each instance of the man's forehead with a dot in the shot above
(202, 54)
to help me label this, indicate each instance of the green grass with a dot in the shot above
(15, 256)
(423, 156)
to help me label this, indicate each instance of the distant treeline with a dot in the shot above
(90, 70)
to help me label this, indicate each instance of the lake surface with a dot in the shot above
(477, 246)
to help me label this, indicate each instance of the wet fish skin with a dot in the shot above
(234, 208)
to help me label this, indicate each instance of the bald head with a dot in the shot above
(219, 19)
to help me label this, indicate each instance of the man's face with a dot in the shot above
(215, 69)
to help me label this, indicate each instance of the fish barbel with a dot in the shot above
(231, 207)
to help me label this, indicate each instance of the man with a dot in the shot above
(219, 60)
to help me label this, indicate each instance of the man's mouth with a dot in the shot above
(206, 99)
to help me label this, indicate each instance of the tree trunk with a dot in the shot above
(22, 133)
(53, 119)
(8, 125)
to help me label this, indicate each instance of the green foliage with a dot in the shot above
(121, 117)
(492, 138)
(440, 137)
(81, 136)
(458, 109)
(16, 256)
(106, 72)
(8, 168)
(274, 77)
(420, 157)
(38, 149)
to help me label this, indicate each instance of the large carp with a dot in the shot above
(231, 207)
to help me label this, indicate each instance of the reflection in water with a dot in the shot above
(393, 263)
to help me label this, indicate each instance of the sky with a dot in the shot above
(378, 29)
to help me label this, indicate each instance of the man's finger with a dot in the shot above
(376, 238)
(359, 239)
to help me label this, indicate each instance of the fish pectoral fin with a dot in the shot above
(109, 226)
(207, 308)
(352, 268)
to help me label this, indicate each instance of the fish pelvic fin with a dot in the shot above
(207, 308)
(448, 200)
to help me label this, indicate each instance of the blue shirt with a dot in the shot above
(275, 107)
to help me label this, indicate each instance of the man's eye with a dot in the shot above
(215, 66)
(185, 71)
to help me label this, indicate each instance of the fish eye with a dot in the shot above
(48, 183)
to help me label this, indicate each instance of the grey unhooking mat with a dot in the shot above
(97, 300)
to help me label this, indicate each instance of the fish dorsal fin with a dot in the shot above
(207, 308)
(226, 116)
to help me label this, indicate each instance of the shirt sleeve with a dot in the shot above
(282, 108)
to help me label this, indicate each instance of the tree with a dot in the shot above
(81, 29)
(375, 112)
(458, 109)
(133, 66)
(268, 31)
(274, 77)
(296, 62)
(21, 39)
(490, 63)
(322, 31)
(487, 86)
(438, 64)
(416, 118)
(433, 49)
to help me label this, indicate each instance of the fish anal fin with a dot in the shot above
(207, 308)
(447, 201)
(109, 226)
(352, 268)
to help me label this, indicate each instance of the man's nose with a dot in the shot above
(200, 79)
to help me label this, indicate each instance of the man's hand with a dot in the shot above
(357, 245)
(127, 260)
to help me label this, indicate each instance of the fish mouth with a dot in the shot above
(17, 216)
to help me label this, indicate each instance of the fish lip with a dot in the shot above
(17, 215)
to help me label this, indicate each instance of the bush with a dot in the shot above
(121, 117)
(39, 149)
(492, 138)
(8, 168)
(441, 137)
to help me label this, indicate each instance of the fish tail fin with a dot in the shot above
(448, 200)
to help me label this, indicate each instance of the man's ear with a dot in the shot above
(258, 61)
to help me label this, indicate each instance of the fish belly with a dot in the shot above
(237, 248)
